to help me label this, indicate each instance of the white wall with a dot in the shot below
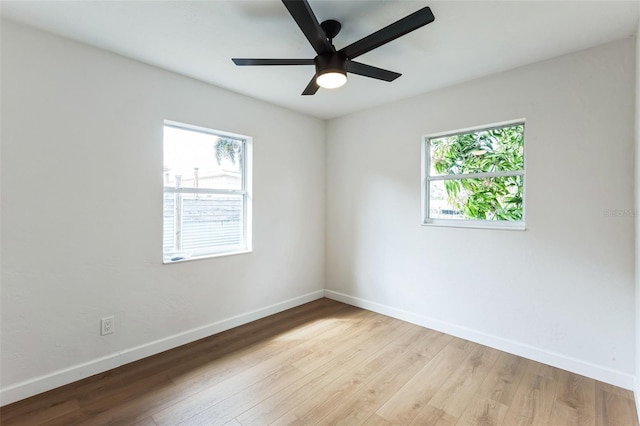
(81, 212)
(563, 290)
(637, 215)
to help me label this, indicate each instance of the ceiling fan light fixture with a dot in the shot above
(331, 79)
(331, 64)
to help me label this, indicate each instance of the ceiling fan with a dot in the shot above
(332, 65)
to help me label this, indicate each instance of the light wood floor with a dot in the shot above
(329, 363)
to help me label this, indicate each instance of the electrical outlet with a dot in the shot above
(107, 325)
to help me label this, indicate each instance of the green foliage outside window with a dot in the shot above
(227, 148)
(485, 151)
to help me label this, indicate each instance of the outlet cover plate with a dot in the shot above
(107, 325)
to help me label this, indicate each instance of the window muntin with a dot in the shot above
(475, 178)
(206, 202)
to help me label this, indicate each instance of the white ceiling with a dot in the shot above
(468, 39)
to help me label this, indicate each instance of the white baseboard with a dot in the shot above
(59, 378)
(574, 365)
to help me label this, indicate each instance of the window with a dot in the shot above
(207, 193)
(475, 178)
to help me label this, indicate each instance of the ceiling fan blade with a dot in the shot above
(306, 20)
(249, 61)
(369, 71)
(312, 87)
(390, 32)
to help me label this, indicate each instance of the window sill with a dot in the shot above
(206, 256)
(500, 226)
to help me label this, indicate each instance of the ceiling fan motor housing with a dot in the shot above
(330, 62)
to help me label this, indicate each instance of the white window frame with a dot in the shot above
(462, 223)
(246, 246)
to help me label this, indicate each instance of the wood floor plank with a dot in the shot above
(454, 394)
(72, 418)
(224, 371)
(545, 370)
(323, 350)
(430, 415)
(504, 378)
(357, 351)
(405, 404)
(245, 351)
(575, 402)
(48, 413)
(207, 397)
(136, 402)
(146, 422)
(191, 406)
(534, 398)
(566, 416)
(209, 369)
(483, 411)
(614, 390)
(614, 408)
(376, 420)
(328, 397)
(237, 341)
(362, 405)
(328, 363)
(465, 345)
(34, 408)
(237, 403)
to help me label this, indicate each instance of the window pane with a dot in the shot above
(194, 159)
(211, 220)
(484, 151)
(207, 216)
(498, 198)
(168, 228)
(210, 223)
